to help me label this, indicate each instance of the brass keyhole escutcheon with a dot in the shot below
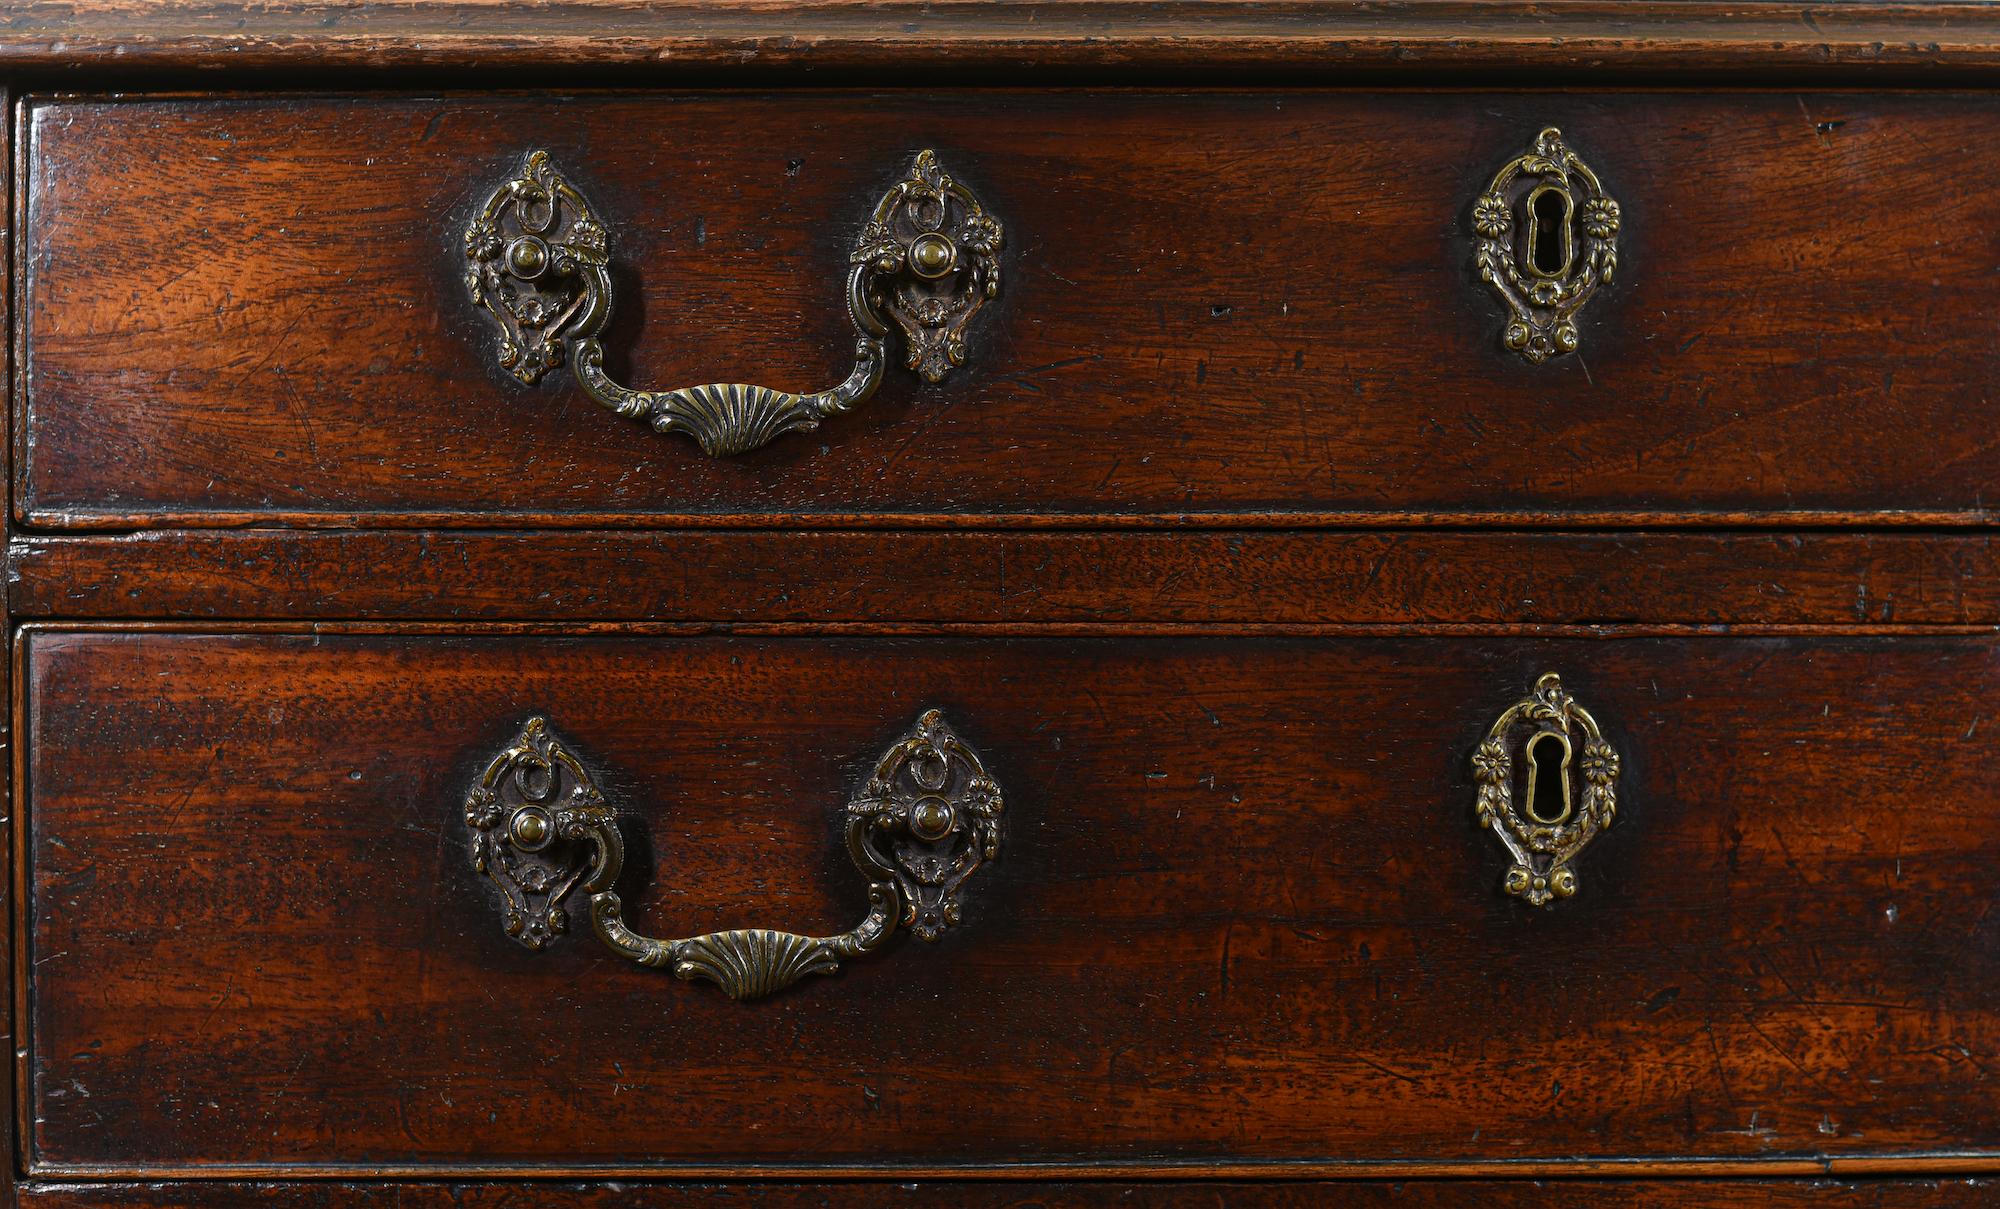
(1547, 239)
(1563, 801)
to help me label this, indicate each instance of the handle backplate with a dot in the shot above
(539, 265)
(923, 822)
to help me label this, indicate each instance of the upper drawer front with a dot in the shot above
(1243, 910)
(1238, 304)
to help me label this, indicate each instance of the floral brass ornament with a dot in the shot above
(924, 821)
(933, 227)
(532, 816)
(1545, 731)
(1548, 238)
(539, 264)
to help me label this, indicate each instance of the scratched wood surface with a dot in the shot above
(1236, 304)
(10, 1005)
(868, 40)
(1244, 913)
(1481, 1194)
(1237, 578)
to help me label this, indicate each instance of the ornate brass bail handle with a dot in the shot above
(923, 822)
(539, 264)
(1548, 237)
(1536, 742)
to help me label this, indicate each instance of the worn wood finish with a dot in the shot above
(1244, 914)
(1227, 578)
(953, 42)
(13, 1154)
(1488, 1194)
(1216, 303)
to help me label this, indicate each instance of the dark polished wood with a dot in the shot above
(1244, 915)
(1254, 305)
(1483, 1194)
(1012, 577)
(1224, 550)
(953, 42)
(13, 1155)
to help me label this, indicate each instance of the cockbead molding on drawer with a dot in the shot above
(540, 266)
(922, 823)
(1528, 222)
(1551, 823)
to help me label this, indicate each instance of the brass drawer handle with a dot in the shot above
(1528, 222)
(918, 827)
(1544, 836)
(540, 266)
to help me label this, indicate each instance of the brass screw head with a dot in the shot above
(932, 255)
(531, 829)
(527, 256)
(930, 819)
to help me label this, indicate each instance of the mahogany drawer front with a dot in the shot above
(1243, 914)
(1241, 305)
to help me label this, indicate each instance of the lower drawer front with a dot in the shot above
(1243, 913)
(1471, 1194)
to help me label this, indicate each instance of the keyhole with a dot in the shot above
(1549, 211)
(1548, 778)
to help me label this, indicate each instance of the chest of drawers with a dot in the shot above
(1345, 605)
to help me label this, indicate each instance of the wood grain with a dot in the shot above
(1484, 1194)
(1235, 578)
(13, 1155)
(1244, 929)
(584, 40)
(1244, 915)
(1219, 304)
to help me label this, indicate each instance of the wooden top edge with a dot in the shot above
(55, 522)
(1932, 1165)
(931, 39)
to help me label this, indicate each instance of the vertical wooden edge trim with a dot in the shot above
(9, 801)
(16, 109)
(15, 852)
